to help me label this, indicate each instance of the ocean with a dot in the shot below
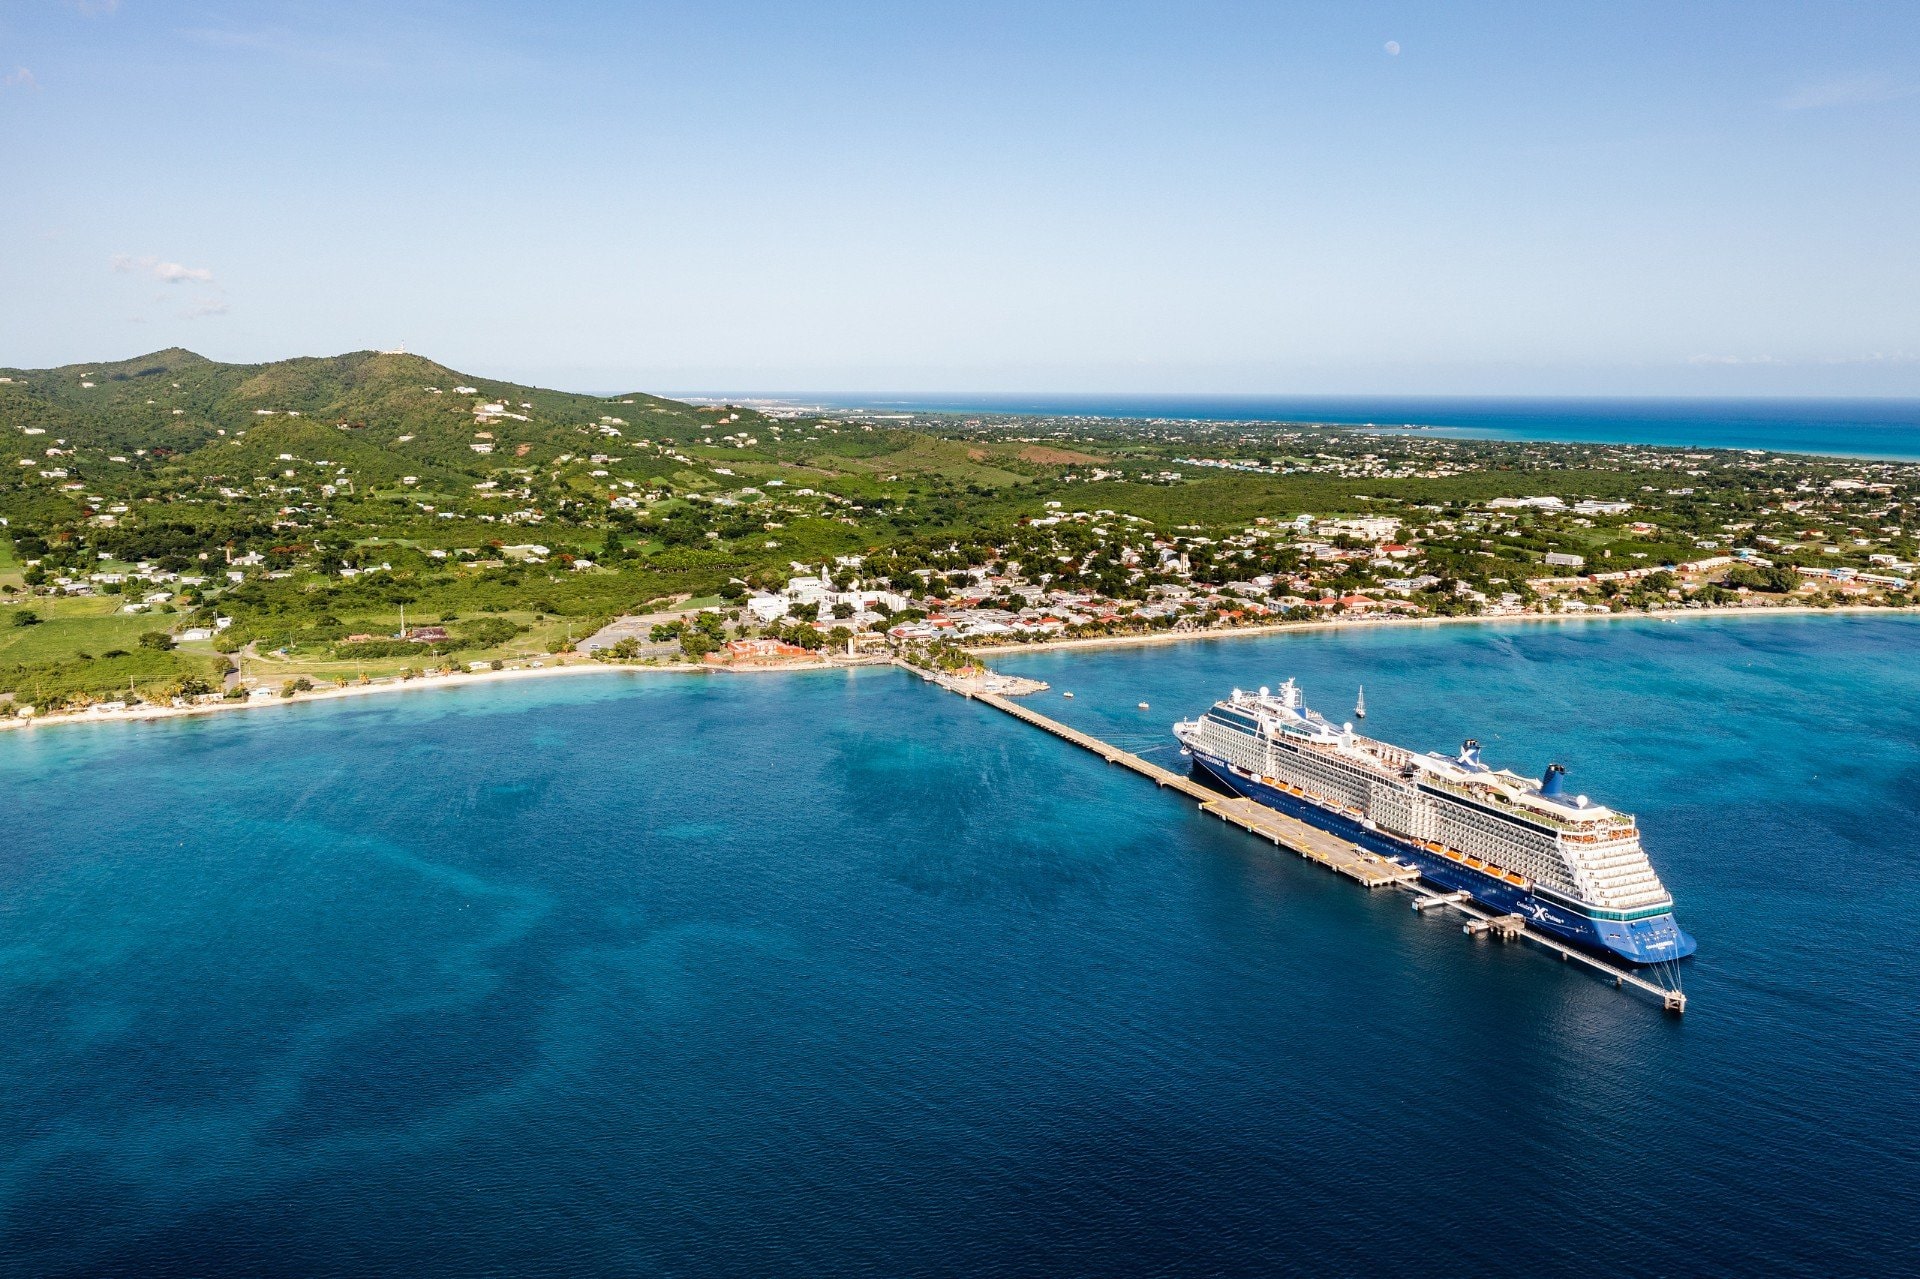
(837, 974)
(1869, 428)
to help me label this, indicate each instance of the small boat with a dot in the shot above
(1066, 694)
(1360, 707)
(1143, 706)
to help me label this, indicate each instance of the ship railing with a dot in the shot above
(1632, 888)
(1614, 828)
(1623, 879)
(1621, 866)
(1627, 883)
(1638, 901)
(1593, 827)
(1616, 862)
(1624, 876)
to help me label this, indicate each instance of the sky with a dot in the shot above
(1237, 197)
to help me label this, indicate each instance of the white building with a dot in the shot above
(808, 590)
(1368, 528)
(767, 608)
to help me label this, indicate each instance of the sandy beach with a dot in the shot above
(1378, 622)
(318, 694)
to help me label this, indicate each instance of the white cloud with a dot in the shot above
(1869, 357)
(205, 306)
(1875, 357)
(1858, 91)
(1393, 48)
(20, 78)
(165, 272)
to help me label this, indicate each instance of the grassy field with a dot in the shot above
(85, 646)
(70, 627)
(10, 567)
(316, 661)
(152, 674)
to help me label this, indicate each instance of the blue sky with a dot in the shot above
(1628, 198)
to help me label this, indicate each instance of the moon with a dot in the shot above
(1393, 48)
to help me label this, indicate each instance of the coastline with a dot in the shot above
(1375, 623)
(1625, 422)
(460, 679)
(456, 679)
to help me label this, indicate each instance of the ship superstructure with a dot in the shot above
(1526, 846)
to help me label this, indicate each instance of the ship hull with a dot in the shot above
(1654, 940)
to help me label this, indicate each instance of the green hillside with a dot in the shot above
(313, 499)
(179, 400)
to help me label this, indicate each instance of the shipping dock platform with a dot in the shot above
(1310, 842)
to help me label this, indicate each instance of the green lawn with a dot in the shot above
(150, 672)
(316, 661)
(69, 627)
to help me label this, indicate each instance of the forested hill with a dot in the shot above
(176, 401)
(309, 500)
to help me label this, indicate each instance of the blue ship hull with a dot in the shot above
(1654, 940)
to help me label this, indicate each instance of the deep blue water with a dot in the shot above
(1878, 428)
(839, 974)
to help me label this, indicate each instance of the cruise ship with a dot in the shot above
(1566, 865)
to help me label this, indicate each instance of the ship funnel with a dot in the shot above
(1470, 753)
(1553, 785)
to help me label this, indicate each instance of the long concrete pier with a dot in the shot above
(1316, 845)
(1312, 843)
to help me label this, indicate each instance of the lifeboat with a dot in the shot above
(1516, 879)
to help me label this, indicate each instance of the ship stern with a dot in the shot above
(1658, 940)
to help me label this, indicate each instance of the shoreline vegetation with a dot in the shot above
(590, 666)
(176, 531)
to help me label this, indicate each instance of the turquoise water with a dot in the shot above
(1878, 428)
(837, 974)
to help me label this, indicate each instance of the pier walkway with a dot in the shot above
(1316, 845)
(1509, 927)
(1310, 842)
